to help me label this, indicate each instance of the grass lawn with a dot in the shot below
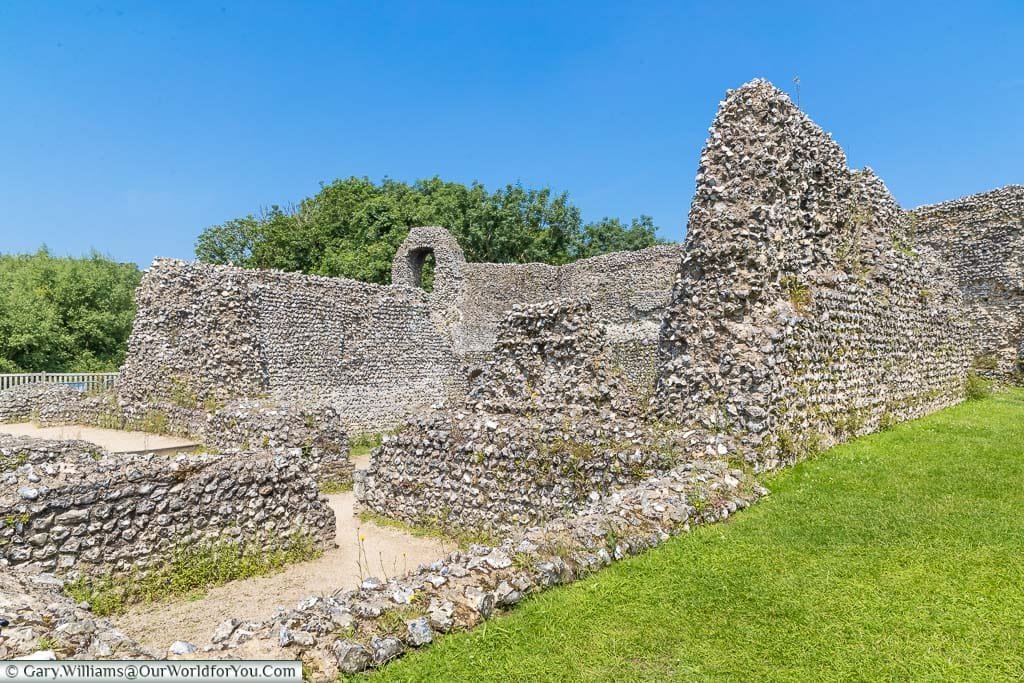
(897, 557)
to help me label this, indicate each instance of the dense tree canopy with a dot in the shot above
(64, 314)
(353, 227)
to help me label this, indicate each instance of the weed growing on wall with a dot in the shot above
(798, 293)
(154, 422)
(9, 463)
(332, 486)
(432, 529)
(183, 396)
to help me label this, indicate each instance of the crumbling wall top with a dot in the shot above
(407, 268)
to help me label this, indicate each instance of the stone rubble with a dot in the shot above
(44, 620)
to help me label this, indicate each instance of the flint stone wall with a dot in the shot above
(802, 315)
(378, 354)
(315, 431)
(49, 404)
(627, 290)
(16, 451)
(25, 402)
(550, 357)
(216, 332)
(355, 630)
(981, 237)
(548, 427)
(472, 471)
(98, 513)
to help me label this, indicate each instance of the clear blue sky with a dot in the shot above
(129, 127)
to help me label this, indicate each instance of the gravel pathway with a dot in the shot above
(113, 440)
(388, 552)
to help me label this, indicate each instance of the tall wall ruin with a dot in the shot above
(802, 315)
(981, 238)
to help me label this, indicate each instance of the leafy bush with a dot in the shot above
(361, 444)
(64, 314)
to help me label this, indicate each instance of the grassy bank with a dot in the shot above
(897, 557)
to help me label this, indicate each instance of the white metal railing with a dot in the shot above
(83, 381)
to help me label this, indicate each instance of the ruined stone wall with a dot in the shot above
(16, 451)
(211, 333)
(24, 402)
(981, 238)
(98, 513)
(316, 432)
(629, 291)
(550, 357)
(802, 315)
(626, 290)
(355, 630)
(548, 427)
(193, 337)
(204, 334)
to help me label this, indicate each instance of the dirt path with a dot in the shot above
(385, 552)
(388, 551)
(113, 440)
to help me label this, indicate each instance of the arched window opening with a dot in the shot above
(423, 265)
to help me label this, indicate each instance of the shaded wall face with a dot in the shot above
(627, 290)
(371, 351)
(489, 291)
(801, 315)
(981, 238)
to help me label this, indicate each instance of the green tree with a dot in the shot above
(609, 234)
(64, 314)
(352, 227)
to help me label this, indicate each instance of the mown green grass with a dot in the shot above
(897, 557)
